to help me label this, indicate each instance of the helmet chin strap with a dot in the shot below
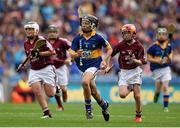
(161, 41)
(129, 41)
(87, 31)
(52, 38)
(32, 37)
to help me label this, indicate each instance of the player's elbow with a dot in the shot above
(144, 62)
(72, 53)
(110, 51)
(53, 52)
(149, 59)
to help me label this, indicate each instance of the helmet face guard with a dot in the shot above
(128, 31)
(52, 28)
(162, 34)
(129, 27)
(32, 24)
(94, 20)
(52, 32)
(32, 29)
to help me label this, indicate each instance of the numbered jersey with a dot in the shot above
(92, 50)
(127, 51)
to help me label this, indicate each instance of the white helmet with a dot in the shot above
(32, 24)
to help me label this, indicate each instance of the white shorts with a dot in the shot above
(130, 77)
(162, 74)
(93, 70)
(62, 75)
(47, 75)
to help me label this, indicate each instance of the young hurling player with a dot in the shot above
(87, 50)
(130, 59)
(42, 72)
(61, 45)
(159, 55)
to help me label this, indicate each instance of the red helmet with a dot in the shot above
(129, 27)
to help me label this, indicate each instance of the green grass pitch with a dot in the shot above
(122, 115)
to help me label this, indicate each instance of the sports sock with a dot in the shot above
(102, 103)
(138, 113)
(88, 104)
(46, 111)
(166, 100)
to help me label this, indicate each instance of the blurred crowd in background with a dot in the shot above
(112, 14)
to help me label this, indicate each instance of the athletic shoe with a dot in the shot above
(60, 108)
(105, 113)
(166, 109)
(89, 114)
(46, 116)
(138, 119)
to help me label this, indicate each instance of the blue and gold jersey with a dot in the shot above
(92, 50)
(157, 52)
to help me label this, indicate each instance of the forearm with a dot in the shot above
(138, 62)
(153, 60)
(108, 57)
(170, 56)
(47, 53)
(73, 54)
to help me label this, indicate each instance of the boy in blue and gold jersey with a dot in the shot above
(159, 55)
(86, 49)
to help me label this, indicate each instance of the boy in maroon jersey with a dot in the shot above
(130, 58)
(61, 45)
(42, 72)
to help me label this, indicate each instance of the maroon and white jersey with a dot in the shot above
(127, 51)
(41, 61)
(61, 45)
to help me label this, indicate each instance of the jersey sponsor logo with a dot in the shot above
(86, 54)
(58, 49)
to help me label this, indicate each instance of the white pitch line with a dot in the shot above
(95, 115)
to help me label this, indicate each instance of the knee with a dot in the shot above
(85, 83)
(122, 96)
(36, 92)
(50, 92)
(165, 89)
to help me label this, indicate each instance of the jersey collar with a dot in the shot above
(165, 45)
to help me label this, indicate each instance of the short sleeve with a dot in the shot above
(150, 50)
(75, 43)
